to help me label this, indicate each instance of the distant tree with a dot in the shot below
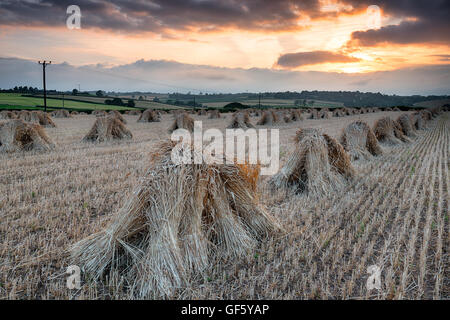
(74, 92)
(141, 98)
(155, 99)
(115, 102)
(99, 93)
(131, 104)
(235, 105)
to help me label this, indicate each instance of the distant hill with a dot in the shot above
(339, 98)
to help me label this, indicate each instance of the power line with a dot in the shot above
(44, 64)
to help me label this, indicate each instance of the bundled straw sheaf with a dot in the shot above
(319, 165)
(214, 114)
(388, 131)
(24, 115)
(61, 114)
(7, 115)
(240, 119)
(117, 115)
(106, 129)
(314, 114)
(418, 121)
(134, 113)
(324, 115)
(338, 113)
(99, 113)
(426, 115)
(435, 111)
(296, 115)
(42, 118)
(283, 116)
(406, 125)
(348, 111)
(16, 135)
(182, 121)
(182, 220)
(359, 141)
(149, 115)
(269, 117)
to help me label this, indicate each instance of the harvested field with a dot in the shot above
(393, 214)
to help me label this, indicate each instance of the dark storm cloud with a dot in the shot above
(293, 60)
(160, 15)
(428, 23)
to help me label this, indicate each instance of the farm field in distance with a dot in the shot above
(393, 214)
(432, 103)
(213, 102)
(139, 103)
(17, 101)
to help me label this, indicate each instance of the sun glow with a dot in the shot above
(228, 48)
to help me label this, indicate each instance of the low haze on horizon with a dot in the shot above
(229, 46)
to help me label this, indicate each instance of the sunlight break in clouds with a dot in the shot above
(325, 35)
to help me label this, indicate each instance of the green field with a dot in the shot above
(80, 102)
(17, 101)
(145, 104)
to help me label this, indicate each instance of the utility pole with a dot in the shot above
(259, 100)
(63, 99)
(44, 64)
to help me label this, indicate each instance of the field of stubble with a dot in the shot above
(394, 215)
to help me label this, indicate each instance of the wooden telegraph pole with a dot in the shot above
(44, 64)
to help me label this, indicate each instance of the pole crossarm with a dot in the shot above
(44, 64)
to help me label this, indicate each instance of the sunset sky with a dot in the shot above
(169, 45)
